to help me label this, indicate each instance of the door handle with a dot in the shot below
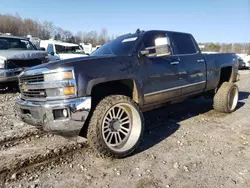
(175, 63)
(200, 60)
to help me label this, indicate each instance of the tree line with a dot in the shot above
(239, 48)
(18, 26)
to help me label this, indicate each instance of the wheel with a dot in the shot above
(116, 126)
(226, 98)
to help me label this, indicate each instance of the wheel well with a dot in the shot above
(225, 75)
(120, 87)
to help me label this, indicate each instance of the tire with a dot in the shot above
(226, 98)
(116, 127)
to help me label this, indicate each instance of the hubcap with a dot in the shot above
(121, 127)
(233, 98)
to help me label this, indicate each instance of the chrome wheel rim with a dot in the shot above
(121, 127)
(233, 98)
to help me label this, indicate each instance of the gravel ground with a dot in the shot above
(185, 145)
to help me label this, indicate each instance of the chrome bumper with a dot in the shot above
(42, 114)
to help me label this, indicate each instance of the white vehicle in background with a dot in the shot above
(246, 59)
(59, 50)
(88, 48)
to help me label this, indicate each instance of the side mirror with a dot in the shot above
(42, 49)
(161, 48)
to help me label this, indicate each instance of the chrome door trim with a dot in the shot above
(174, 63)
(174, 88)
(200, 60)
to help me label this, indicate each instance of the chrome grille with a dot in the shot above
(29, 79)
(34, 93)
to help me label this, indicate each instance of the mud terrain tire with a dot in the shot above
(226, 98)
(119, 116)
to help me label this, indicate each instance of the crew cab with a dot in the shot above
(16, 54)
(102, 96)
(59, 50)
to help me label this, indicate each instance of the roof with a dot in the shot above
(58, 42)
(140, 32)
(13, 37)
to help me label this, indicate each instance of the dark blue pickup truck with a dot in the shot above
(102, 96)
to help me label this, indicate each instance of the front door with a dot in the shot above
(160, 71)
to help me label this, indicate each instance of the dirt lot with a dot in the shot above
(185, 145)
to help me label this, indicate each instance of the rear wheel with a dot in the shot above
(226, 98)
(116, 126)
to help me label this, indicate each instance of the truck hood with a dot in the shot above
(70, 62)
(22, 54)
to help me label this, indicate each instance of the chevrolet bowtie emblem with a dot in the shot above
(24, 87)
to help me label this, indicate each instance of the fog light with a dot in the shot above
(65, 113)
(69, 90)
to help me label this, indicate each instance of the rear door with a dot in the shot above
(192, 67)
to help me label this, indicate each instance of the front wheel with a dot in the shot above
(116, 126)
(226, 98)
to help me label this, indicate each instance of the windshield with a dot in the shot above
(16, 44)
(69, 49)
(120, 46)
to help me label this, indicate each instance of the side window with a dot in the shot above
(60, 49)
(183, 43)
(50, 48)
(157, 44)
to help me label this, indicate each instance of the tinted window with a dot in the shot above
(59, 49)
(68, 49)
(120, 46)
(183, 43)
(13, 43)
(50, 48)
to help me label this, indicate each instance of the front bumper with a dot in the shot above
(9, 75)
(42, 114)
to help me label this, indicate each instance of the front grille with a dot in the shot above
(29, 79)
(34, 93)
(11, 64)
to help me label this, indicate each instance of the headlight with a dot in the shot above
(67, 75)
(2, 61)
(70, 90)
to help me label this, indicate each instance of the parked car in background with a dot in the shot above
(62, 50)
(88, 48)
(242, 64)
(16, 54)
(102, 96)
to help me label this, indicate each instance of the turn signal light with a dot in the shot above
(69, 90)
(67, 75)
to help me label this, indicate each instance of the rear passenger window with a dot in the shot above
(183, 43)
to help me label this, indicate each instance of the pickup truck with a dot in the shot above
(16, 54)
(59, 50)
(103, 96)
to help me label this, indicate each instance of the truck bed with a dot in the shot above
(214, 63)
